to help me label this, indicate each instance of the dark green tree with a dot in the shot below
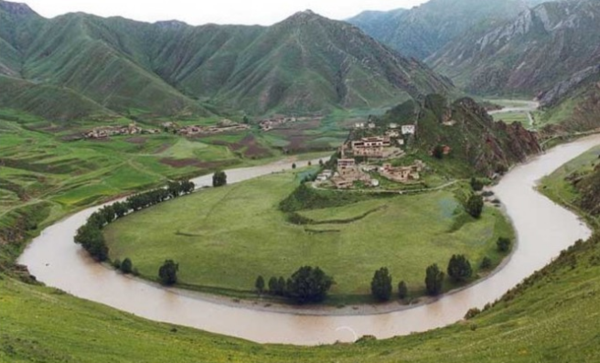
(434, 279)
(281, 286)
(309, 285)
(475, 205)
(294, 166)
(273, 285)
(127, 266)
(486, 263)
(167, 273)
(503, 244)
(219, 179)
(459, 268)
(381, 284)
(476, 184)
(260, 284)
(402, 290)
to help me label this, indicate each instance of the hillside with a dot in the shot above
(550, 317)
(529, 55)
(476, 143)
(306, 63)
(423, 30)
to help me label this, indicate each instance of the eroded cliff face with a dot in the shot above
(500, 145)
(543, 46)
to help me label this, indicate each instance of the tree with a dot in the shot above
(438, 152)
(381, 284)
(459, 268)
(476, 184)
(475, 205)
(168, 272)
(219, 179)
(486, 263)
(294, 166)
(273, 285)
(433, 280)
(260, 284)
(309, 285)
(503, 244)
(127, 266)
(281, 286)
(402, 290)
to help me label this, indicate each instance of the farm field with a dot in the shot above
(224, 238)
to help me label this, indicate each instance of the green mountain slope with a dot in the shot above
(528, 55)
(306, 63)
(423, 30)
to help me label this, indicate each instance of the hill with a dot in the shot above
(423, 30)
(306, 63)
(528, 55)
(476, 143)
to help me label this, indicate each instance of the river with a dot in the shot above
(543, 228)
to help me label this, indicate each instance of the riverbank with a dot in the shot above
(538, 222)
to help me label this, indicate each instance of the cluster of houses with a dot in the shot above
(221, 127)
(279, 120)
(107, 131)
(373, 149)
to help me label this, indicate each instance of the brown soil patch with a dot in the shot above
(182, 163)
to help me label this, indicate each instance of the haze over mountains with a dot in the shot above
(306, 63)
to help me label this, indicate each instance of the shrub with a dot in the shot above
(402, 290)
(474, 206)
(127, 266)
(309, 285)
(167, 273)
(434, 279)
(486, 263)
(503, 244)
(459, 268)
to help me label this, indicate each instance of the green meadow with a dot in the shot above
(224, 238)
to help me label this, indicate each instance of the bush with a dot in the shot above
(127, 266)
(219, 179)
(117, 264)
(260, 284)
(474, 206)
(486, 263)
(402, 290)
(381, 285)
(167, 273)
(472, 313)
(503, 244)
(434, 279)
(476, 184)
(438, 152)
(459, 268)
(308, 285)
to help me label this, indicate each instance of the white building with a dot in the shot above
(409, 129)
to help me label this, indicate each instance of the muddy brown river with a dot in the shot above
(543, 227)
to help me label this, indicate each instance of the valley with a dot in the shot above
(419, 184)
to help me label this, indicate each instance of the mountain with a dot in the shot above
(531, 54)
(423, 30)
(477, 144)
(306, 63)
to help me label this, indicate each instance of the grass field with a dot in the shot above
(552, 318)
(226, 237)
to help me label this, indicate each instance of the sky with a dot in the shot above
(198, 12)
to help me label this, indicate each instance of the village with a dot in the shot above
(362, 157)
(277, 121)
(222, 126)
